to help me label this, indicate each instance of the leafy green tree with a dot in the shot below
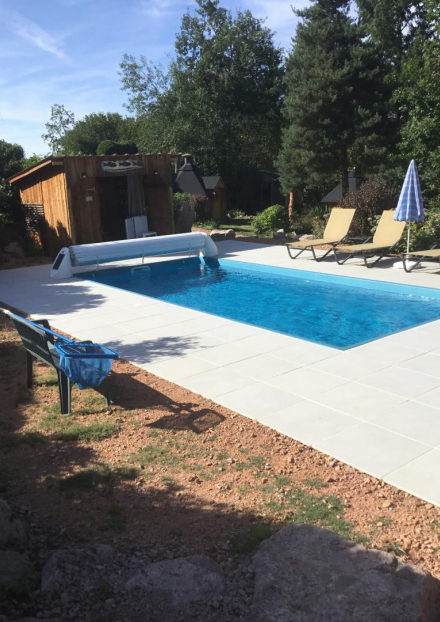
(89, 132)
(61, 121)
(33, 159)
(220, 98)
(337, 108)
(110, 147)
(11, 161)
(419, 99)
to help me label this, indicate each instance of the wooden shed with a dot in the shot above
(189, 179)
(216, 191)
(84, 199)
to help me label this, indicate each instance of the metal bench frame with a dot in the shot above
(39, 344)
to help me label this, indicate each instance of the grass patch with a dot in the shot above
(248, 541)
(396, 549)
(92, 404)
(314, 482)
(320, 510)
(32, 438)
(281, 481)
(68, 430)
(253, 462)
(102, 478)
(156, 454)
(245, 490)
(85, 433)
(168, 481)
(115, 518)
(49, 380)
(241, 226)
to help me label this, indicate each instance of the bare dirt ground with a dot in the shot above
(168, 472)
(9, 261)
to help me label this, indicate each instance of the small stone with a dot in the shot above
(280, 234)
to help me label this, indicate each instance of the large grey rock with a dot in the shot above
(217, 235)
(307, 236)
(15, 250)
(12, 533)
(307, 574)
(229, 234)
(279, 235)
(184, 217)
(59, 567)
(180, 581)
(13, 568)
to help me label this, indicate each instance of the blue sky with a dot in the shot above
(68, 52)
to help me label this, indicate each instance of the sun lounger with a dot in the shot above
(336, 230)
(433, 254)
(388, 234)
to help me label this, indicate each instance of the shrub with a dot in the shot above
(424, 234)
(372, 198)
(236, 213)
(110, 147)
(178, 197)
(199, 204)
(271, 219)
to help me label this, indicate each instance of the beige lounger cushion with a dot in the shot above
(433, 253)
(388, 233)
(368, 246)
(337, 228)
(307, 243)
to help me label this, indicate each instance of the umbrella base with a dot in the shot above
(398, 265)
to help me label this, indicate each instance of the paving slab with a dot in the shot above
(376, 406)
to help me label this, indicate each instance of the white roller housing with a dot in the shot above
(105, 252)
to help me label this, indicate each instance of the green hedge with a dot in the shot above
(271, 219)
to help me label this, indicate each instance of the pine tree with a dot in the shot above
(337, 106)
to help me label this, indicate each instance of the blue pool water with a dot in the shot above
(336, 311)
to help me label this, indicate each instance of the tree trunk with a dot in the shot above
(291, 205)
(344, 171)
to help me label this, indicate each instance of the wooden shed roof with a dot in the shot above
(59, 161)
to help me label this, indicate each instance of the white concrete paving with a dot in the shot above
(375, 407)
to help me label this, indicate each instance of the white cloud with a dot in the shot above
(165, 8)
(30, 31)
(279, 13)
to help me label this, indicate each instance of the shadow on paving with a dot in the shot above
(129, 393)
(147, 351)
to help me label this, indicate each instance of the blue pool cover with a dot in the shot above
(341, 312)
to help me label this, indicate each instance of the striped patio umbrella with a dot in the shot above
(410, 205)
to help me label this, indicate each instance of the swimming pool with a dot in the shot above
(341, 312)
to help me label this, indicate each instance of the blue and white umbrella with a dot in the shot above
(410, 205)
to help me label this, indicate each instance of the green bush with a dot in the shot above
(424, 234)
(271, 219)
(199, 204)
(373, 197)
(178, 197)
(236, 213)
(111, 147)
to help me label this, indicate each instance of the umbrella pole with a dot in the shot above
(409, 233)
